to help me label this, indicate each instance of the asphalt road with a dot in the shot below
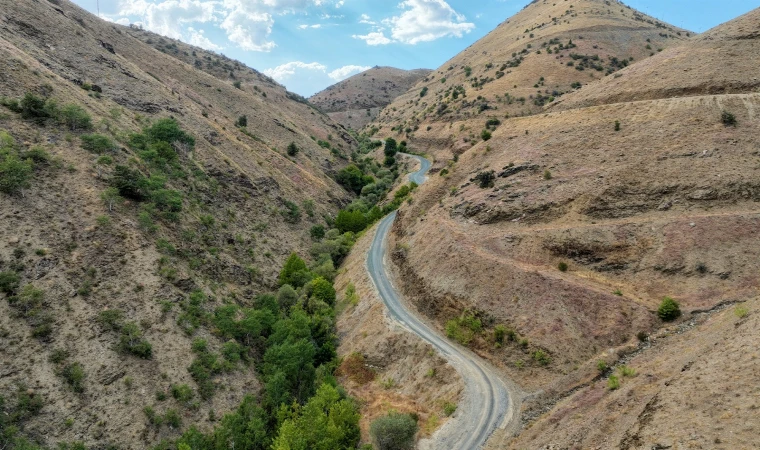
(486, 404)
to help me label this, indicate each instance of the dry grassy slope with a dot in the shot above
(45, 47)
(690, 390)
(607, 29)
(667, 206)
(356, 101)
(720, 61)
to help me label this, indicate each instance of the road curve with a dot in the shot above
(486, 404)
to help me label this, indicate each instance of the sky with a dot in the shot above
(308, 45)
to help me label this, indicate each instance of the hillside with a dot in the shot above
(563, 232)
(141, 190)
(531, 60)
(356, 101)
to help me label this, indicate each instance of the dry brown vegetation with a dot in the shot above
(636, 187)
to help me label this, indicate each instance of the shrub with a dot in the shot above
(485, 135)
(353, 221)
(293, 149)
(601, 365)
(97, 143)
(74, 117)
(14, 173)
(111, 319)
(37, 155)
(353, 179)
(131, 340)
(741, 312)
(395, 431)
(613, 382)
(323, 290)
(617, 125)
(74, 376)
(130, 183)
(173, 419)
(464, 328)
(182, 393)
(728, 119)
(485, 179)
(9, 282)
(562, 266)
(547, 175)
(424, 91)
(242, 121)
(238, 84)
(317, 232)
(291, 213)
(627, 371)
(669, 310)
(294, 272)
(541, 357)
(449, 408)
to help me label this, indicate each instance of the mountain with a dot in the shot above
(354, 102)
(549, 236)
(167, 180)
(547, 50)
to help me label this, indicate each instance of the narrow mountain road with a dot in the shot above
(486, 404)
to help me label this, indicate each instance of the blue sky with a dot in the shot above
(308, 45)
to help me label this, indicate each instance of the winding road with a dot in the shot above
(486, 404)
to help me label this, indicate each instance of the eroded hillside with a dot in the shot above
(531, 60)
(356, 101)
(548, 243)
(139, 194)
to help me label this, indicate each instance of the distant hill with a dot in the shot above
(354, 102)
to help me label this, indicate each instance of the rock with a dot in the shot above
(703, 194)
(665, 206)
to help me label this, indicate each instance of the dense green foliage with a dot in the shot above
(669, 310)
(15, 169)
(394, 432)
(353, 179)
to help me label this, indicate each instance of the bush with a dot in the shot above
(182, 393)
(464, 328)
(317, 232)
(131, 340)
(242, 121)
(353, 179)
(291, 213)
(669, 310)
(449, 408)
(74, 376)
(617, 125)
(613, 382)
(9, 282)
(97, 143)
(14, 173)
(293, 149)
(562, 267)
(547, 175)
(541, 357)
(353, 221)
(294, 272)
(485, 135)
(395, 431)
(485, 179)
(74, 117)
(728, 119)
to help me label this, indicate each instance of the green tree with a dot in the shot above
(14, 173)
(353, 221)
(168, 130)
(286, 297)
(293, 149)
(353, 179)
(111, 198)
(317, 232)
(395, 431)
(323, 290)
(294, 272)
(391, 148)
(296, 361)
(669, 310)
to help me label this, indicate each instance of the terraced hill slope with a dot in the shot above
(563, 232)
(531, 60)
(356, 101)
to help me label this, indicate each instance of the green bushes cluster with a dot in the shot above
(131, 339)
(291, 338)
(16, 169)
(464, 328)
(23, 406)
(42, 110)
(395, 431)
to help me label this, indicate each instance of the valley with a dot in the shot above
(548, 242)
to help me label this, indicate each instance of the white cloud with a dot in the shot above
(346, 71)
(248, 26)
(373, 38)
(428, 20)
(315, 26)
(169, 17)
(247, 23)
(199, 39)
(366, 19)
(287, 70)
